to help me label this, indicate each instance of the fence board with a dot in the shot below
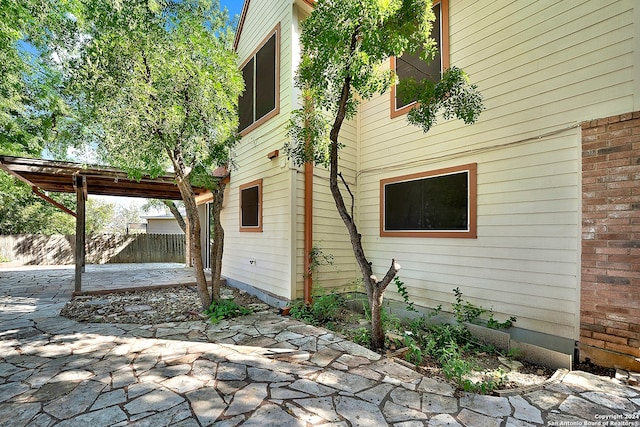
(31, 249)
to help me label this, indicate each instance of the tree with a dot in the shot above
(157, 83)
(31, 103)
(166, 204)
(344, 45)
(22, 212)
(99, 214)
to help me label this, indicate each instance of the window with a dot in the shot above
(411, 66)
(251, 206)
(440, 203)
(260, 100)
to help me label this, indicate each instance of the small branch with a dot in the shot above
(353, 199)
(393, 270)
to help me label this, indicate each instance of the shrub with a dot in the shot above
(225, 309)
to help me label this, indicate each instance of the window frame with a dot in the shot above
(276, 109)
(470, 233)
(246, 186)
(444, 57)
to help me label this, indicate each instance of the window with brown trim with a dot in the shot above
(439, 203)
(251, 206)
(410, 66)
(261, 97)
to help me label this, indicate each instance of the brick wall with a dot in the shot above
(610, 290)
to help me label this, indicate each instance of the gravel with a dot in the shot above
(179, 304)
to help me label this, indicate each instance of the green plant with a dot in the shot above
(402, 290)
(4, 259)
(486, 385)
(465, 311)
(362, 336)
(325, 308)
(225, 309)
(414, 353)
(435, 311)
(317, 258)
(468, 312)
(494, 324)
(390, 322)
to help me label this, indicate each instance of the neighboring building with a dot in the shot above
(162, 224)
(548, 178)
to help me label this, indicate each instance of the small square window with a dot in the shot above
(251, 206)
(439, 203)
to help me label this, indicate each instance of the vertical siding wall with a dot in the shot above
(543, 67)
(610, 296)
(271, 248)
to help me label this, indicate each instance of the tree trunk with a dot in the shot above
(218, 242)
(176, 214)
(375, 288)
(188, 258)
(193, 226)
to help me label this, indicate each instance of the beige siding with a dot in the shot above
(543, 67)
(163, 226)
(329, 232)
(271, 248)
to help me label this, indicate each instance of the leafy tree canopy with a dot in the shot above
(31, 102)
(22, 212)
(158, 84)
(345, 45)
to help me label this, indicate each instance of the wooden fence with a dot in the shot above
(33, 249)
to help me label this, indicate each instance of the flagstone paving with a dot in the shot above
(258, 370)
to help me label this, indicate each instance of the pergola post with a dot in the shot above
(80, 184)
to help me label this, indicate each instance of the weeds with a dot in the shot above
(225, 309)
(451, 345)
(465, 311)
(402, 290)
(362, 336)
(468, 312)
(325, 308)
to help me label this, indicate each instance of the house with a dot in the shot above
(162, 224)
(549, 176)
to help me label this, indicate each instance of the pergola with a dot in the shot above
(66, 177)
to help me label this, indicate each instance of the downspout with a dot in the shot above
(308, 230)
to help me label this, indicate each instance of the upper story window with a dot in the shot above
(261, 98)
(440, 203)
(411, 66)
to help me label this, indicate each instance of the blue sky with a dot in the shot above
(234, 6)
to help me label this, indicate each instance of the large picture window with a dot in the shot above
(260, 99)
(440, 203)
(251, 206)
(410, 66)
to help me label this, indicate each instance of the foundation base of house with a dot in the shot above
(269, 298)
(608, 358)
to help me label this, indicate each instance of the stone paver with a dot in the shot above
(258, 370)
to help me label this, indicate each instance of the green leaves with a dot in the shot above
(31, 102)
(453, 95)
(160, 83)
(345, 46)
